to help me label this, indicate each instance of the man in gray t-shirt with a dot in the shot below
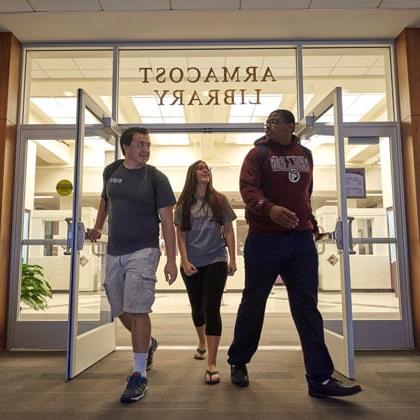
(136, 196)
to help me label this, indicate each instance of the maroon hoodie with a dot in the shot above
(281, 177)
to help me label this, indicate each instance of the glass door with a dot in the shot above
(357, 200)
(88, 341)
(337, 313)
(45, 189)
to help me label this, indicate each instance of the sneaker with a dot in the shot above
(239, 375)
(333, 388)
(136, 388)
(154, 345)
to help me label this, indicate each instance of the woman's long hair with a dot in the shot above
(187, 197)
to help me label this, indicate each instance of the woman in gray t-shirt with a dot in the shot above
(204, 218)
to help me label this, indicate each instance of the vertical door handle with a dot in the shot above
(338, 234)
(69, 221)
(80, 235)
(350, 222)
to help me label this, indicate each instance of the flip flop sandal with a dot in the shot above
(209, 375)
(200, 354)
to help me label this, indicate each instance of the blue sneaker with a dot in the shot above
(136, 388)
(154, 345)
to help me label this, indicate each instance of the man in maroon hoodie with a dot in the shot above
(276, 186)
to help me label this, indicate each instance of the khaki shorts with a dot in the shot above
(130, 281)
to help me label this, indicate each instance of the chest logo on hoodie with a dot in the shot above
(294, 175)
(293, 165)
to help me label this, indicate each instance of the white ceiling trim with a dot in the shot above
(50, 6)
(216, 25)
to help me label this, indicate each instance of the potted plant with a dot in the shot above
(34, 289)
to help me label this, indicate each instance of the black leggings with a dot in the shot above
(205, 290)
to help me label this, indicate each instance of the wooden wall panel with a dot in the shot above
(408, 75)
(413, 58)
(10, 57)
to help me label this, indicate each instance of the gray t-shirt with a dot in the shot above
(134, 197)
(205, 243)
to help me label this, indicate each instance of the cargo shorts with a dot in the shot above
(130, 281)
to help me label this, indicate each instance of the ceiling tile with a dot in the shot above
(400, 4)
(64, 74)
(109, 5)
(345, 4)
(275, 4)
(357, 61)
(38, 74)
(64, 5)
(97, 73)
(205, 4)
(10, 6)
(93, 63)
(349, 71)
(317, 71)
(55, 63)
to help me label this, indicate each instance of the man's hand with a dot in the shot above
(283, 217)
(171, 272)
(93, 234)
(189, 268)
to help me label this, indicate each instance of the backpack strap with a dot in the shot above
(263, 150)
(152, 171)
(111, 169)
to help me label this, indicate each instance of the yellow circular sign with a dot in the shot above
(64, 187)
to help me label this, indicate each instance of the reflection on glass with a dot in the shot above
(56, 271)
(373, 267)
(205, 85)
(363, 73)
(52, 80)
(374, 275)
(47, 163)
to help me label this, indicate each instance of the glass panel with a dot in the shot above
(93, 308)
(45, 210)
(205, 85)
(39, 272)
(325, 207)
(44, 214)
(52, 80)
(374, 274)
(363, 73)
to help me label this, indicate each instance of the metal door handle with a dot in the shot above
(80, 235)
(338, 234)
(350, 222)
(69, 221)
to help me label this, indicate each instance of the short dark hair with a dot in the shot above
(127, 136)
(285, 115)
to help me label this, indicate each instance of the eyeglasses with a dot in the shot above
(272, 121)
(203, 168)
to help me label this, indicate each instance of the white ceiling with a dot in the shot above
(185, 20)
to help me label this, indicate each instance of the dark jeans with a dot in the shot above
(205, 291)
(294, 256)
